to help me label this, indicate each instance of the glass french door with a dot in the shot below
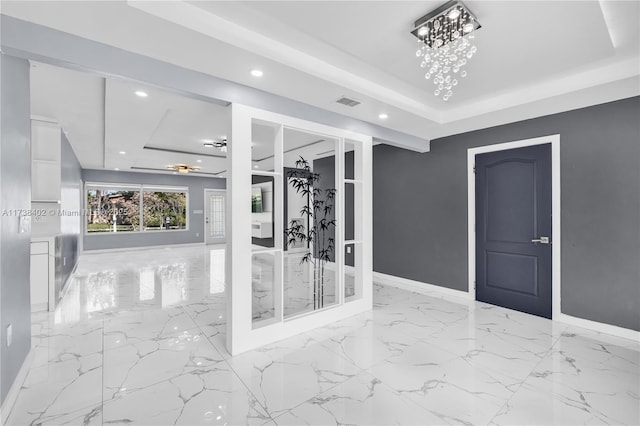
(215, 215)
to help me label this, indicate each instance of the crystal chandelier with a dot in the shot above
(445, 37)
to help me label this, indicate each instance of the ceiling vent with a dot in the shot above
(348, 101)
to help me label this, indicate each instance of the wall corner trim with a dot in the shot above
(12, 395)
(427, 289)
(598, 327)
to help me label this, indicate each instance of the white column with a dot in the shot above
(238, 276)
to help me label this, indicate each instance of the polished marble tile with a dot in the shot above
(361, 400)
(209, 395)
(58, 399)
(285, 374)
(138, 365)
(140, 338)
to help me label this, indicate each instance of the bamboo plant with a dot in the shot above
(318, 236)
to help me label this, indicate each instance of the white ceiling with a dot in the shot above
(104, 117)
(534, 58)
(110, 127)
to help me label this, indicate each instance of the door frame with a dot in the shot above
(556, 239)
(204, 216)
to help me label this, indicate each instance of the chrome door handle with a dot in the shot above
(541, 240)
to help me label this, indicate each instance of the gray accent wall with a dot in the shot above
(15, 194)
(71, 200)
(420, 208)
(195, 233)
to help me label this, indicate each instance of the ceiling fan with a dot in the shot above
(183, 168)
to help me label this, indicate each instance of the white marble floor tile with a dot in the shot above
(290, 372)
(57, 401)
(211, 395)
(605, 390)
(361, 400)
(363, 342)
(448, 386)
(140, 338)
(142, 364)
(127, 328)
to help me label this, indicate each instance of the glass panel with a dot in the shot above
(263, 136)
(216, 219)
(349, 211)
(309, 283)
(310, 223)
(262, 211)
(349, 154)
(164, 211)
(113, 210)
(352, 271)
(265, 281)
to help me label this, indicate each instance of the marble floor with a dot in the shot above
(139, 338)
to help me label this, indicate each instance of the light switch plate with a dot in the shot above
(9, 334)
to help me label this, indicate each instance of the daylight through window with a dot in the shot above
(113, 209)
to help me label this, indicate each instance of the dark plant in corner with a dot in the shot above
(318, 236)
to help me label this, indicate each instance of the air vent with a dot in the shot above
(348, 101)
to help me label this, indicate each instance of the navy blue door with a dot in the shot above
(513, 229)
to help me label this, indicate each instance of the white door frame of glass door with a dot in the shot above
(207, 192)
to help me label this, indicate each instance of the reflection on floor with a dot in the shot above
(300, 295)
(139, 338)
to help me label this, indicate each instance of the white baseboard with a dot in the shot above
(12, 395)
(422, 288)
(599, 327)
(462, 296)
(119, 249)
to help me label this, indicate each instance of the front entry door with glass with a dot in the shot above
(215, 211)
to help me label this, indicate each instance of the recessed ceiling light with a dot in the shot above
(198, 161)
(141, 94)
(123, 152)
(383, 116)
(256, 166)
(208, 144)
(115, 168)
(175, 173)
(257, 73)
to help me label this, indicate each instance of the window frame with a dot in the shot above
(142, 188)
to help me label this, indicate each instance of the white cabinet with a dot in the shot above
(45, 160)
(39, 276)
(46, 174)
(262, 229)
(42, 274)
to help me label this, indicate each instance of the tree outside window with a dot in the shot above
(112, 210)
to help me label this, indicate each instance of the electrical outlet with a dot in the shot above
(348, 249)
(9, 335)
